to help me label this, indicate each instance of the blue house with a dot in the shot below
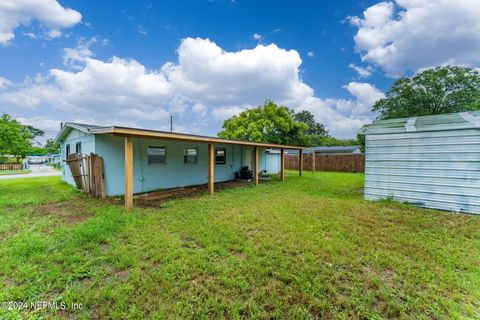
(139, 160)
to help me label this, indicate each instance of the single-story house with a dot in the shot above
(330, 150)
(430, 161)
(140, 160)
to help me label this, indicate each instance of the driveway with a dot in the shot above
(38, 170)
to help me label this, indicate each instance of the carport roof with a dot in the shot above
(441, 122)
(156, 134)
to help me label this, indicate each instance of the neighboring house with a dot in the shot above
(430, 161)
(330, 150)
(163, 159)
(54, 158)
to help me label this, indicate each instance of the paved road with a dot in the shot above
(37, 171)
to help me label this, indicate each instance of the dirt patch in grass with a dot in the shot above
(118, 275)
(8, 282)
(157, 198)
(70, 212)
(191, 243)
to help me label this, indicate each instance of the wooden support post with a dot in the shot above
(300, 162)
(313, 161)
(128, 173)
(255, 169)
(211, 163)
(282, 164)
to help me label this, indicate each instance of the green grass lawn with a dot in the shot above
(8, 172)
(306, 248)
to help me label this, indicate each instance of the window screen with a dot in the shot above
(157, 155)
(220, 155)
(190, 155)
(67, 150)
(78, 147)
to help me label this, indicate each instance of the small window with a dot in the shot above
(78, 147)
(67, 150)
(190, 155)
(157, 155)
(220, 155)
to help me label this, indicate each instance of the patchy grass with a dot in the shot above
(306, 248)
(8, 172)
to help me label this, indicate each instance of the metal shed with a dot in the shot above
(429, 161)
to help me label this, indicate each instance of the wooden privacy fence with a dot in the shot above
(87, 171)
(328, 162)
(11, 166)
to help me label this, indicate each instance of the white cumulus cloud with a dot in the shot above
(75, 57)
(4, 83)
(51, 15)
(363, 72)
(409, 35)
(366, 95)
(257, 37)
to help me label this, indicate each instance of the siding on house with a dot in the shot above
(270, 161)
(88, 146)
(437, 169)
(149, 177)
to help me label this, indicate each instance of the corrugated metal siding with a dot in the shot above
(439, 169)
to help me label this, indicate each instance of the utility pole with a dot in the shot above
(171, 123)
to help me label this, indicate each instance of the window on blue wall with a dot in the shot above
(67, 150)
(190, 155)
(78, 147)
(157, 154)
(220, 155)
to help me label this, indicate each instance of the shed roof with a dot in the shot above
(156, 134)
(440, 122)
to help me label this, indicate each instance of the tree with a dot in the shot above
(34, 131)
(268, 123)
(15, 138)
(37, 151)
(314, 128)
(433, 91)
(327, 141)
(52, 147)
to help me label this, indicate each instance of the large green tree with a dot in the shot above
(15, 138)
(268, 123)
(314, 128)
(433, 91)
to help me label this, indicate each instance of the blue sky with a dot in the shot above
(136, 62)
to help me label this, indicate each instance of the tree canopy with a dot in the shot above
(52, 147)
(268, 123)
(15, 138)
(433, 91)
(278, 124)
(314, 128)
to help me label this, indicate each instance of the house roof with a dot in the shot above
(441, 122)
(156, 134)
(336, 149)
(329, 149)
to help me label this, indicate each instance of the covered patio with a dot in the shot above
(130, 133)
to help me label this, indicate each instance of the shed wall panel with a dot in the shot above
(439, 169)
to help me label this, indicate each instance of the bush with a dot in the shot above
(6, 159)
